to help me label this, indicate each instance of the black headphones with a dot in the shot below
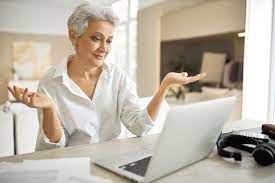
(263, 153)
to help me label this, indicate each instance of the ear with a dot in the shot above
(72, 36)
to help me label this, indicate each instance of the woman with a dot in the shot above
(84, 100)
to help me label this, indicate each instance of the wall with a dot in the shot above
(207, 19)
(148, 51)
(146, 3)
(60, 48)
(36, 16)
(166, 16)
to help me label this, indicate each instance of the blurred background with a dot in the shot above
(154, 37)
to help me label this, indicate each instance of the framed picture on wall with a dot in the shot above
(31, 59)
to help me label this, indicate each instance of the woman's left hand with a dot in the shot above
(170, 79)
(180, 78)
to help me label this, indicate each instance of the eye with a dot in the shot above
(109, 41)
(96, 38)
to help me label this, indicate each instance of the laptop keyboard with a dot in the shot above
(138, 167)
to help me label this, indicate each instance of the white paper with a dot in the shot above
(67, 166)
(67, 170)
(27, 176)
(91, 179)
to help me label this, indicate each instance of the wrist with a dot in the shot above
(164, 85)
(49, 107)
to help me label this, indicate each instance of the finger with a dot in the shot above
(202, 75)
(184, 74)
(22, 90)
(195, 78)
(18, 96)
(25, 97)
(33, 99)
(11, 90)
(191, 79)
(29, 94)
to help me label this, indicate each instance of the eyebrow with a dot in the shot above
(99, 33)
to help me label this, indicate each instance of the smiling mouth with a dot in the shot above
(100, 57)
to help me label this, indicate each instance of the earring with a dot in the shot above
(74, 46)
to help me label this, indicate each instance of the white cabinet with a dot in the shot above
(25, 119)
(6, 134)
(26, 127)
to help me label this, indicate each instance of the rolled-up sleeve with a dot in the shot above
(43, 142)
(136, 119)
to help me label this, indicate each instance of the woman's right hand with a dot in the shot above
(31, 99)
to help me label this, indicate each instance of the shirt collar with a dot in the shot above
(61, 70)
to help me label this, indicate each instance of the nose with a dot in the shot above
(103, 47)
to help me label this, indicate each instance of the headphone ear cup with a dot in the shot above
(264, 154)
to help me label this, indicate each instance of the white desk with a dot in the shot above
(214, 169)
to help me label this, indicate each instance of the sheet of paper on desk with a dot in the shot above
(91, 179)
(45, 176)
(67, 166)
(71, 169)
(18, 172)
(74, 170)
(26, 176)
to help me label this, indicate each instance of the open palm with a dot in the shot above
(182, 78)
(31, 99)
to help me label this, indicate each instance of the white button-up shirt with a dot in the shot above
(93, 120)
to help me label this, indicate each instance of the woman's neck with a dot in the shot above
(81, 69)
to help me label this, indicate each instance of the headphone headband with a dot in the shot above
(263, 152)
(237, 142)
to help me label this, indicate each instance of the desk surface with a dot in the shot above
(213, 169)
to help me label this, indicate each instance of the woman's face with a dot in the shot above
(95, 43)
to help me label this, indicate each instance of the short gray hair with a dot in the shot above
(85, 13)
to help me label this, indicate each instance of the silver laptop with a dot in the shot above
(189, 135)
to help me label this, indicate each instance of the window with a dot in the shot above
(124, 47)
(258, 97)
